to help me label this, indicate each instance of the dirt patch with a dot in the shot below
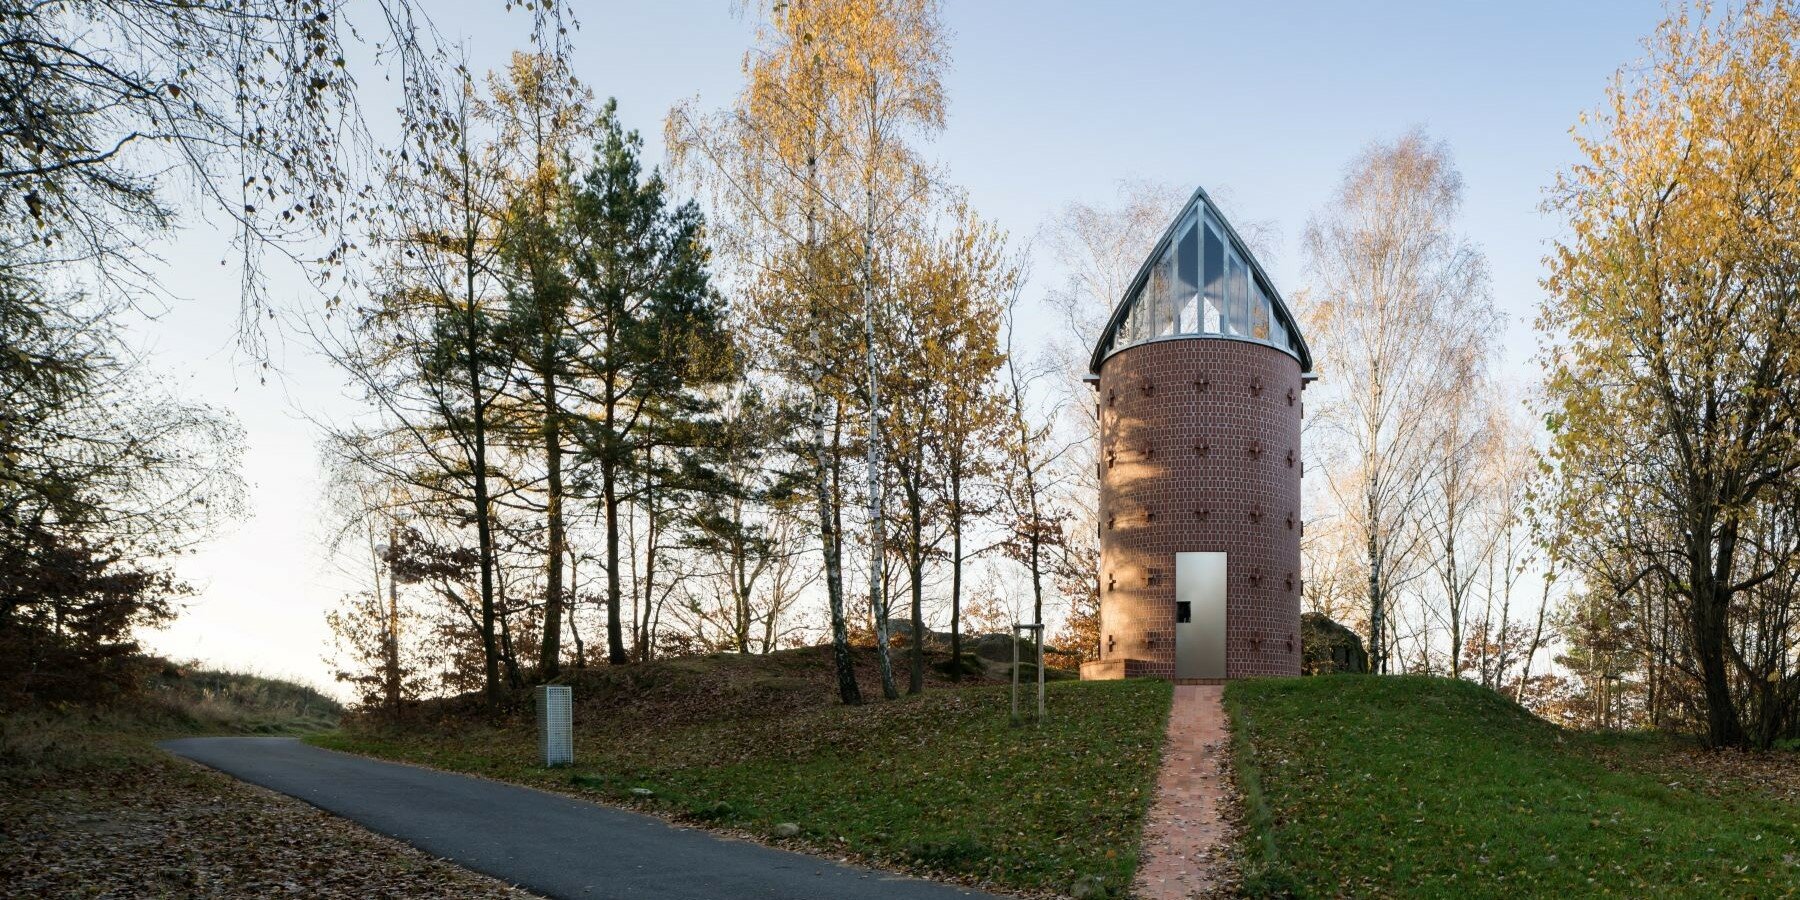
(1715, 773)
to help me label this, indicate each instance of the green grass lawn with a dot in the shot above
(937, 784)
(1404, 786)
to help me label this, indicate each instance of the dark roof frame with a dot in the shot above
(1101, 347)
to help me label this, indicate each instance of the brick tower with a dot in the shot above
(1199, 374)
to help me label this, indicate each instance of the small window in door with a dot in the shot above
(1184, 612)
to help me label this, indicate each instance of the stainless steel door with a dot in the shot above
(1199, 615)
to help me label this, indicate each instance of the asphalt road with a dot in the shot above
(555, 845)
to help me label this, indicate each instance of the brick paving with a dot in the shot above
(1187, 835)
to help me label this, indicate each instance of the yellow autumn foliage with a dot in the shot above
(1672, 351)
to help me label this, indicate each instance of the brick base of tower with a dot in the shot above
(1115, 669)
(1200, 452)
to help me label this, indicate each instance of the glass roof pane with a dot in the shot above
(1187, 277)
(1259, 314)
(1215, 283)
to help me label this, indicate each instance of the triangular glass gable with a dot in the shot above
(1200, 281)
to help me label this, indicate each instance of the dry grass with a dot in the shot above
(67, 740)
(89, 807)
(168, 828)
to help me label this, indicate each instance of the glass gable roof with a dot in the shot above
(1200, 281)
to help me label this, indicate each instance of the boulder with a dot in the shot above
(787, 830)
(1327, 647)
(997, 647)
(901, 630)
(1088, 887)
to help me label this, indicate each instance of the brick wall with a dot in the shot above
(1200, 451)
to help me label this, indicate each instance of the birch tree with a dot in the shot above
(763, 162)
(970, 300)
(1458, 549)
(1399, 302)
(1030, 478)
(817, 168)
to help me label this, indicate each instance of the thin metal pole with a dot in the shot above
(1039, 635)
(1015, 675)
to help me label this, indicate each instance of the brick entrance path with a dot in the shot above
(1186, 834)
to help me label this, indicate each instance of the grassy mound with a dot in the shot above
(214, 701)
(55, 740)
(939, 783)
(716, 686)
(1429, 787)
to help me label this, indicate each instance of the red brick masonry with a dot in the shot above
(1115, 669)
(1200, 451)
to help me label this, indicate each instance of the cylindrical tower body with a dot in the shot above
(1199, 382)
(1200, 453)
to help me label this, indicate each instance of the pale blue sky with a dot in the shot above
(1050, 102)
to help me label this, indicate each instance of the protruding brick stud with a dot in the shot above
(1201, 383)
(1290, 581)
(1256, 577)
(1202, 514)
(1256, 385)
(1290, 396)
(1203, 448)
(1112, 397)
(1256, 449)
(1290, 521)
(1290, 457)
(1256, 513)
(1149, 387)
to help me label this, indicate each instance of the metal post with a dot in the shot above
(556, 731)
(1039, 633)
(391, 652)
(1015, 674)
